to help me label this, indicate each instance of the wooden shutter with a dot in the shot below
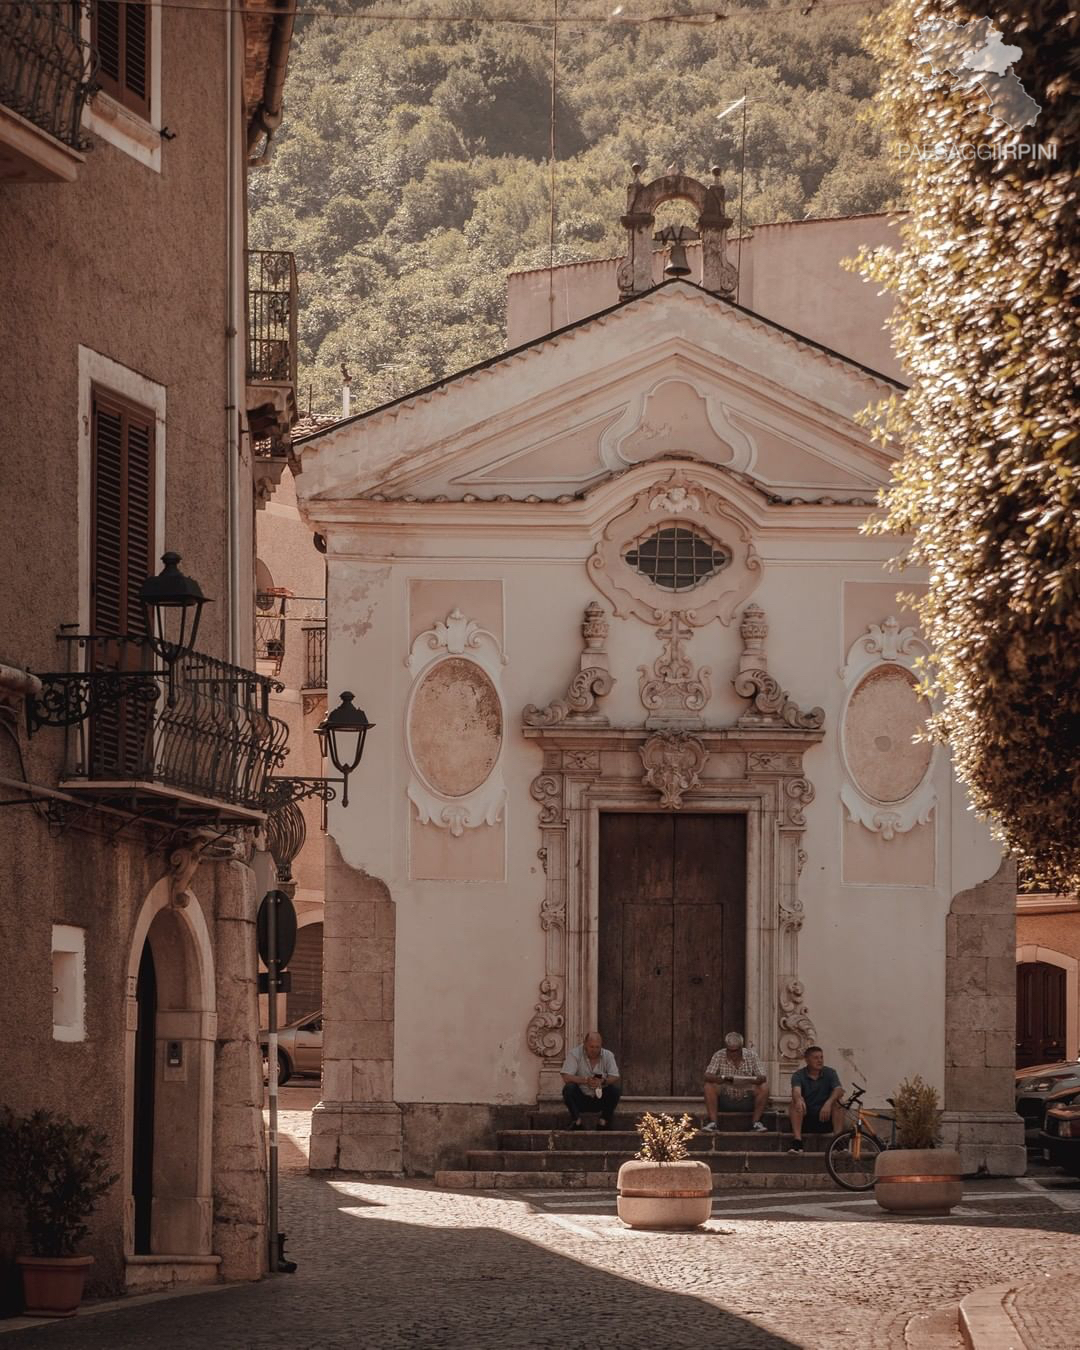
(121, 558)
(121, 33)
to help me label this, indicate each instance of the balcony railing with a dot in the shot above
(272, 297)
(271, 633)
(46, 68)
(215, 739)
(315, 653)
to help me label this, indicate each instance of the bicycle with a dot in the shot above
(852, 1154)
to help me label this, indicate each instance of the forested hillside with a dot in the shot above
(411, 170)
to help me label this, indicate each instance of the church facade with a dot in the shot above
(647, 753)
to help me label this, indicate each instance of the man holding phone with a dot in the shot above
(591, 1082)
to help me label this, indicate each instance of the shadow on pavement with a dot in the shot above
(367, 1281)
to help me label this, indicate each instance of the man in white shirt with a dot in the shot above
(736, 1081)
(591, 1082)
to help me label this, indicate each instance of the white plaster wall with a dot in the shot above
(470, 954)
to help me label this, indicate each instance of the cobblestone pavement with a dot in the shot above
(1046, 1313)
(400, 1264)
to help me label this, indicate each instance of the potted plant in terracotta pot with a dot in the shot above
(917, 1177)
(663, 1187)
(57, 1171)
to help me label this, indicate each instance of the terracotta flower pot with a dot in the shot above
(664, 1195)
(53, 1285)
(918, 1180)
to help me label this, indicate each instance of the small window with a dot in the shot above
(678, 558)
(68, 976)
(120, 31)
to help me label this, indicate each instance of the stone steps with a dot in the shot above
(606, 1181)
(600, 1160)
(534, 1150)
(628, 1141)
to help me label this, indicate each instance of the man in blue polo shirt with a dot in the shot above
(815, 1099)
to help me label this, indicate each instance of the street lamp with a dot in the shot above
(342, 734)
(172, 604)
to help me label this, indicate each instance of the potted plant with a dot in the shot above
(663, 1187)
(57, 1172)
(918, 1177)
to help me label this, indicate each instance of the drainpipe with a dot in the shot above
(266, 118)
(233, 321)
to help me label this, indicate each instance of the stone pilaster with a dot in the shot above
(980, 1120)
(357, 1125)
(239, 1168)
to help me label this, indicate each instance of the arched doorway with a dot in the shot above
(169, 1100)
(1040, 1013)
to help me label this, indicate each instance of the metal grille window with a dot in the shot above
(677, 558)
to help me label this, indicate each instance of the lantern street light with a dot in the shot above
(172, 604)
(342, 734)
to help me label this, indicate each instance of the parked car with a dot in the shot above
(1060, 1136)
(1035, 1085)
(299, 1048)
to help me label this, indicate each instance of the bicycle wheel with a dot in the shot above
(850, 1159)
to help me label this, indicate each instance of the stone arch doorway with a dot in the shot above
(1047, 1011)
(168, 1117)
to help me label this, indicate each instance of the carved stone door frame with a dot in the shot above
(751, 770)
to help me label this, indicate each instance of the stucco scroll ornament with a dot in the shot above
(770, 704)
(796, 1029)
(458, 636)
(183, 864)
(673, 692)
(544, 1035)
(547, 790)
(676, 499)
(673, 763)
(592, 682)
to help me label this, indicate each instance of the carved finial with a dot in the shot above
(591, 683)
(754, 629)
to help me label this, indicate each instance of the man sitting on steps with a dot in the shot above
(815, 1099)
(591, 1082)
(735, 1081)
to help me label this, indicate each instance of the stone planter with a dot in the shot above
(664, 1195)
(918, 1180)
(53, 1285)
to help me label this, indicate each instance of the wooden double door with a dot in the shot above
(1040, 1013)
(672, 944)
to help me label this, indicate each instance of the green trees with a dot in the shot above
(987, 489)
(411, 169)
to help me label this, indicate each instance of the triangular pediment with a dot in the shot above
(675, 372)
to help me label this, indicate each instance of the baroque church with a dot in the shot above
(648, 716)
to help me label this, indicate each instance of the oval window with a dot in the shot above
(884, 716)
(455, 727)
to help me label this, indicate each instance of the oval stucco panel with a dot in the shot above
(883, 718)
(455, 728)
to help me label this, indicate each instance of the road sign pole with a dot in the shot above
(272, 1077)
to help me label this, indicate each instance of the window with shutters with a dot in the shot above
(120, 30)
(121, 558)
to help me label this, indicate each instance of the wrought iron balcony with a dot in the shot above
(47, 73)
(203, 748)
(315, 653)
(272, 346)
